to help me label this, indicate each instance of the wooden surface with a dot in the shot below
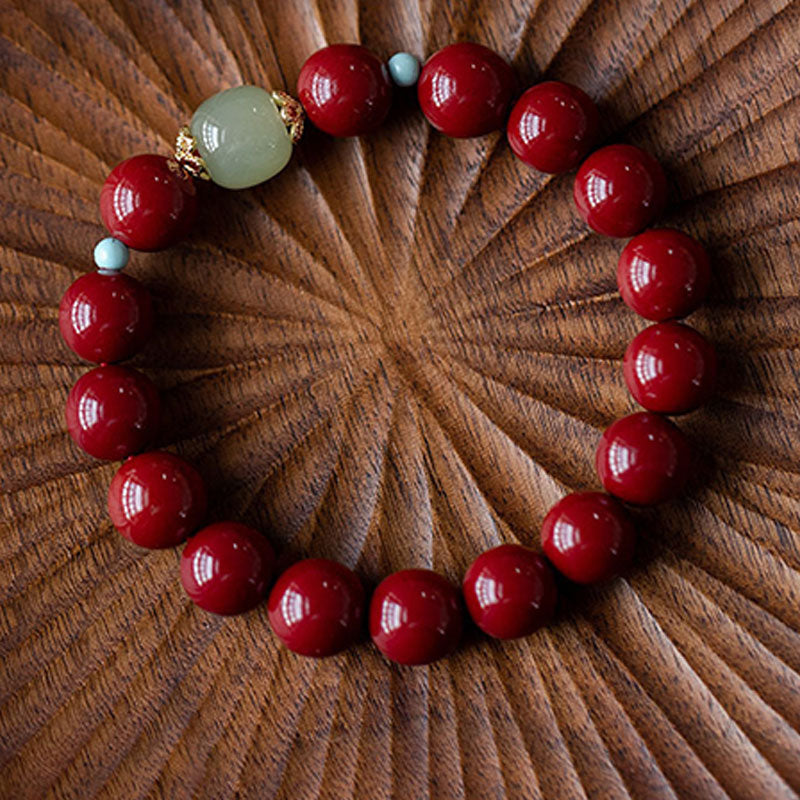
(398, 353)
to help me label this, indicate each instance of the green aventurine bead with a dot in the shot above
(241, 137)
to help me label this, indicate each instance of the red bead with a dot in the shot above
(465, 89)
(553, 126)
(156, 499)
(620, 189)
(510, 591)
(316, 607)
(148, 204)
(113, 412)
(345, 89)
(226, 568)
(644, 459)
(588, 537)
(663, 274)
(670, 368)
(415, 617)
(106, 318)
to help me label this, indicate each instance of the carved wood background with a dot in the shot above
(398, 353)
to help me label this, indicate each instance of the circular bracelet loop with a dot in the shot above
(415, 616)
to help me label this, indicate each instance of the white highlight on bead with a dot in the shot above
(404, 69)
(110, 255)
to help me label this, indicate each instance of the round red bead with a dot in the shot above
(663, 274)
(106, 318)
(553, 126)
(345, 89)
(113, 412)
(316, 607)
(588, 537)
(643, 458)
(620, 189)
(148, 202)
(465, 89)
(510, 591)
(670, 368)
(226, 568)
(156, 499)
(415, 616)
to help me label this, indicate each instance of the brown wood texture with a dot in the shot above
(397, 353)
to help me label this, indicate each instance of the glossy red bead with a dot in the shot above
(644, 459)
(415, 616)
(113, 412)
(465, 90)
(316, 607)
(588, 537)
(510, 591)
(620, 189)
(670, 368)
(345, 90)
(156, 499)
(148, 204)
(226, 568)
(106, 318)
(553, 126)
(663, 274)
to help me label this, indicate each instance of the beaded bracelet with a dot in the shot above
(245, 135)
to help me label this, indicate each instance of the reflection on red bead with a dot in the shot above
(644, 459)
(113, 412)
(588, 537)
(156, 499)
(415, 616)
(465, 89)
(620, 189)
(148, 202)
(670, 368)
(509, 591)
(553, 126)
(345, 89)
(663, 274)
(316, 607)
(226, 568)
(106, 318)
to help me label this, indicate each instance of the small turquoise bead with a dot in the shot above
(110, 254)
(404, 69)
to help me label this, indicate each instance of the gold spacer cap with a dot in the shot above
(291, 112)
(187, 156)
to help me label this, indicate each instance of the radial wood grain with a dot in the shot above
(399, 352)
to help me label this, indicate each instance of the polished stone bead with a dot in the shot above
(663, 274)
(226, 568)
(345, 90)
(241, 137)
(670, 368)
(588, 537)
(619, 190)
(644, 459)
(415, 616)
(316, 607)
(509, 591)
(156, 499)
(106, 316)
(148, 203)
(113, 412)
(465, 90)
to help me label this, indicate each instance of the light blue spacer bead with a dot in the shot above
(110, 255)
(404, 69)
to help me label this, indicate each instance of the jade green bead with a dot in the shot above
(241, 137)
